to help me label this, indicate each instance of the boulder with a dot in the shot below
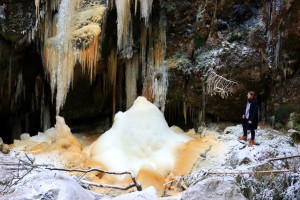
(48, 185)
(213, 188)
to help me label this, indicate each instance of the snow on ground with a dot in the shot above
(268, 144)
(227, 152)
(222, 153)
(238, 157)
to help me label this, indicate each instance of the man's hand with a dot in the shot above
(243, 116)
(249, 122)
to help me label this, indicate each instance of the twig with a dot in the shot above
(21, 165)
(125, 187)
(31, 161)
(253, 172)
(282, 158)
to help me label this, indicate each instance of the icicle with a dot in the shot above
(143, 50)
(44, 114)
(11, 65)
(76, 37)
(60, 62)
(184, 112)
(284, 73)
(279, 5)
(131, 80)
(88, 57)
(135, 6)
(18, 91)
(277, 49)
(156, 71)
(147, 88)
(124, 27)
(272, 120)
(150, 53)
(38, 87)
(160, 87)
(110, 4)
(37, 12)
(46, 119)
(112, 71)
(146, 9)
(160, 43)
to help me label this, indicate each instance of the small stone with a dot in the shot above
(24, 136)
(245, 161)
(5, 149)
(296, 137)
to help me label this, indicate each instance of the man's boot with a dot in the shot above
(243, 138)
(251, 143)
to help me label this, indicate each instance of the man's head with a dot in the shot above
(251, 95)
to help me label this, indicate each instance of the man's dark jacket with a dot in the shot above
(253, 114)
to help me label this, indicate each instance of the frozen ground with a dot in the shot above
(226, 156)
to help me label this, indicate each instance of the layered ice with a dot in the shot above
(139, 138)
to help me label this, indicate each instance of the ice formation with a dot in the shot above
(139, 138)
(76, 37)
(124, 27)
(57, 138)
(132, 67)
(74, 33)
(124, 21)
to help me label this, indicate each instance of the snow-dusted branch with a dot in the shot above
(17, 171)
(134, 184)
(282, 158)
(217, 84)
(253, 172)
(125, 187)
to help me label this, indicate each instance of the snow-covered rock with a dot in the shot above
(213, 188)
(147, 194)
(47, 185)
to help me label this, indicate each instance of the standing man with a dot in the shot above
(250, 117)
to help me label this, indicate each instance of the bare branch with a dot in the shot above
(282, 158)
(24, 165)
(135, 183)
(217, 84)
(125, 187)
(253, 172)
(31, 160)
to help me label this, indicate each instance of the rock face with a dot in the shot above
(16, 19)
(254, 44)
(240, 42)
